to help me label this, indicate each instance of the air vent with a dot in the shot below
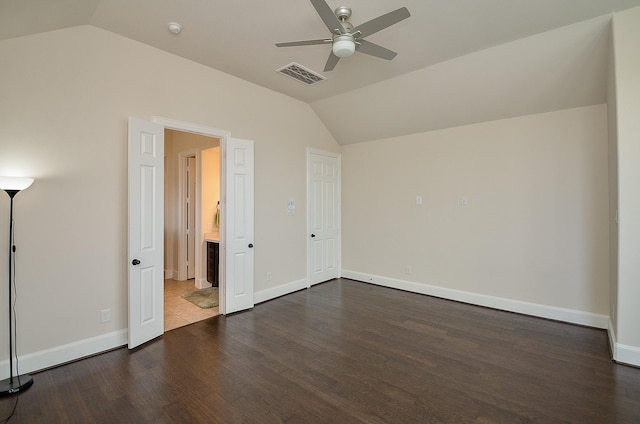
(302, 74)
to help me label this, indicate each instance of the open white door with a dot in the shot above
(146, 240)
(238, 225)
(323, 216)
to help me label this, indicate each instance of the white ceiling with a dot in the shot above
(459, 61)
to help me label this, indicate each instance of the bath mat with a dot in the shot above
(203, 298)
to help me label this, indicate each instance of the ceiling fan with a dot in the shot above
(345, 38)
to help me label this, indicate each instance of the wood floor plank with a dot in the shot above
(347, 352)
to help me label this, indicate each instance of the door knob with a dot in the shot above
(135, 262)
(250, 245)
(313, 235)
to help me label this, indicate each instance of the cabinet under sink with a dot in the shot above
(213, 254)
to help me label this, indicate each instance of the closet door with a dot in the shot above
(323, 216)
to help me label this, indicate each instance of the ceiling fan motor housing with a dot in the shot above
(343, 13)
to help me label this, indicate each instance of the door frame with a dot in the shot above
(338, 158)
(173, 124)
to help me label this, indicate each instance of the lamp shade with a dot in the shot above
(344, 46)
(15, 183)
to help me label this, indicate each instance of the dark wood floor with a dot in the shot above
(347, 352)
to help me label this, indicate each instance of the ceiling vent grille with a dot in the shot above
(302, 74)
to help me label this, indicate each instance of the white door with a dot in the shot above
(146, 239)
(323, 216)
(191, 206)
(238, 225)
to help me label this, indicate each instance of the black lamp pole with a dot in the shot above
(13, 384)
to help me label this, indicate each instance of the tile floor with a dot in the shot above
(179, 312)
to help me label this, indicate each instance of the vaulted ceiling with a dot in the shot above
(458, 62)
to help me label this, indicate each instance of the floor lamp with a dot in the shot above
(15, 383)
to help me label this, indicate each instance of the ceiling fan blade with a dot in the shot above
(331, 62)
(372, 49)
(381, 22)
(303, 43)
(328, 17)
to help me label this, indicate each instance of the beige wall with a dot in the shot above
(66, 97)
(210, 196)
(535, 228)
(626, 34)
(210, 189)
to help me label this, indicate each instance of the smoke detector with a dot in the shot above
(175, 27)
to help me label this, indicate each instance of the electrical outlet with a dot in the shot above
(463, 201)
(407, 269)
(269, 276)
(418, 200)
(105, 315)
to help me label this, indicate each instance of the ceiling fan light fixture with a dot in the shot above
(344, 45)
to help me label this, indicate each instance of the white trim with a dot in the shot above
(70, 352)
(543, 311)
(223, 136)
(172, 124)
(612, 339)
(623, 354)
(626, 354)
(169, 274)
(202, 283)
(272, 293)
(222, 247)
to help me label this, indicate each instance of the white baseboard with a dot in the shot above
(70, 352)
(73, 351)
(94, 345)
(272, 293)
(169, 274)
(612, 339)
(538, 310)
(624, 354)
(202, 283)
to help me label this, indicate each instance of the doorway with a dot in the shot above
(146, 172)
(192, 191)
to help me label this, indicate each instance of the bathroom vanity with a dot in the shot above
(213, 255)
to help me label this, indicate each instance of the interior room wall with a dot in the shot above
(210, 189)
(66, 98)
(534, 227)
(210, 197)
(626, 33)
